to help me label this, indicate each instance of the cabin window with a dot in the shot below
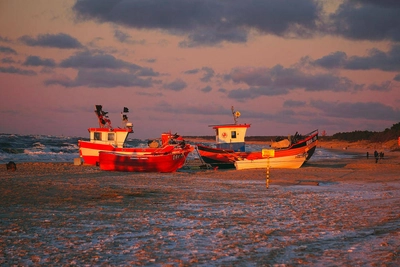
(233, 134)
(97, 136)
(111, 137)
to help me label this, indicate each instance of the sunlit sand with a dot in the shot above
(327, 213)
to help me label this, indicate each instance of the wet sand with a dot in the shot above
(339, 212)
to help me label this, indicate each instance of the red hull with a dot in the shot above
(93, 159)
(223, 158)
(169, 159)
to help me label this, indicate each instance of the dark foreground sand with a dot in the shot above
(59, 214)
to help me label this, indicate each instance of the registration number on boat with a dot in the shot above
(177, 156)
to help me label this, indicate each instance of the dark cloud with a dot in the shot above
(383, 87)
(206, 89)
(382, 3)
(7, 50)
(193, 71)
(13, 70)
(60, 40)
(63, 81)
(121, 36)
(331, 61)
(5, 39)
(208, 22)
(359, 110)
(376, 59)
(103, 79)
(146, 72)
(213, 37)
(37, 61)
(91, 60)
(150, 60)
(254, 92)
(367, 20)
(7, 60)
(126, 38)
(177, 85)
(279, 81)
(209, 73)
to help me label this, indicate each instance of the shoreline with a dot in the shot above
(384, 170)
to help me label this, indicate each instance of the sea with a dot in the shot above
(50, 148)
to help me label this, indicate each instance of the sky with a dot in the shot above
(180, 65)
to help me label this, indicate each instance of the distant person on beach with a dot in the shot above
(381, 155)
(367, 155)
(11, 166)
(376, 155)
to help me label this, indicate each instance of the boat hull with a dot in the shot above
(89, 151)
(285, 162)
(225, 159)
(218, 158)
(168, 162)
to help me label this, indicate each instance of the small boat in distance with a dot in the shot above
(230, 146)
(109, 139)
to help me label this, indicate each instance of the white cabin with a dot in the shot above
(230, 136)
(115, 137)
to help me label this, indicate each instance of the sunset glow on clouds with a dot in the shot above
(179, 65)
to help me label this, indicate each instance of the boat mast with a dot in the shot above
(236, 114)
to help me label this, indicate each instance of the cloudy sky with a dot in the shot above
(180, 65)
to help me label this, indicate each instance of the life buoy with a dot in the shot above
(224, 135)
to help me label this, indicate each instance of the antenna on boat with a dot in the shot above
(236, 114)
(125, 123)
(124, 116)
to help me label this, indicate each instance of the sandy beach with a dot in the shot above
(338, 212)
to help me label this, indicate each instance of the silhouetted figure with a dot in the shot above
(376, 155)
(381, 155)
(11, 166)
(367, 155)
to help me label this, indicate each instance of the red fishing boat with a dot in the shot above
(230, 145)
(109, 139)
(169, 158)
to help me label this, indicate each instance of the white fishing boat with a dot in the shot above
(285, 162)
